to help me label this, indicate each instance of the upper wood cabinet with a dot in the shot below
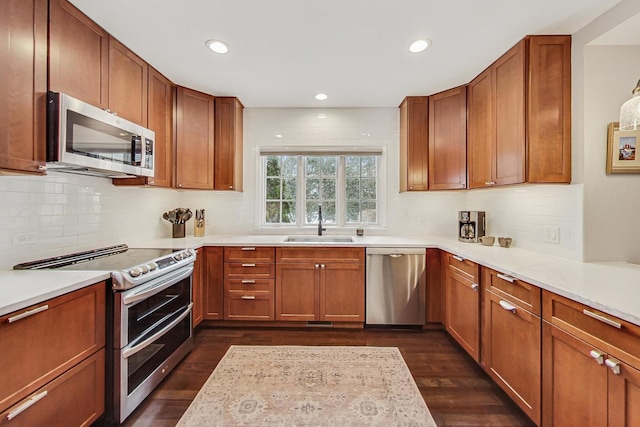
(127, 83)
(414, 159)
(78, 55)
(519, 116)
(194, 139)
(228, 144)
(23, 85)
(160, 120)
(448, 139)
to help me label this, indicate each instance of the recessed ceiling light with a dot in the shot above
(278, 135)
(217, 46)
(321, 96)
(322, 116)
(419, 45)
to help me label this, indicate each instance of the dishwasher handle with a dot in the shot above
(396, 251)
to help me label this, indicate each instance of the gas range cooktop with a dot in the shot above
(129, 267)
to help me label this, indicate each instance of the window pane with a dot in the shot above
(353, 188)
(368, 214)
(329, 166)
(273, 166)
(311, 212)
(352, 165)
(289, 186)
(289, 166)
(313, 166)
(288, 212)
(273, 188)
(369, 188)
(329, 189)
(353, 212)
(369, 168)
(328, 212)
(313, 189)
(272, 213)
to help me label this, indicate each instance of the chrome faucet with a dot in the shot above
(320, 229)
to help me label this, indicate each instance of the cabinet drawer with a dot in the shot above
(311, 254)
(249, 306)
(75, 398)
(248, 285)
(617, 337)
(248, 270)
(249, 254)
(465, 268)
(513, 290)
(60, 333)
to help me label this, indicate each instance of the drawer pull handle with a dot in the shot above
(28, 313)
(598, 356)
(602, 319)
(458, 258)
(507, 278)
(248, 282)
(507, 306)
(248, 297)
(248, 265)
(248, 249)
(26, 405)
(614, 365)
(475, 287)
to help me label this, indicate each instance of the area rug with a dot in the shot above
(309, 386)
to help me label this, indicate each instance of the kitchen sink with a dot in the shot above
(319, 239)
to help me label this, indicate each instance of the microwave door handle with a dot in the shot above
(128, 352)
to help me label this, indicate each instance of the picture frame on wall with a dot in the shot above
(622, 150)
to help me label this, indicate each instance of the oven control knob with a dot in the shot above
(152, 266)
(144, 268)
(134, 272)
(178, 256)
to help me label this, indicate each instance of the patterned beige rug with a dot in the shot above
(309, 386)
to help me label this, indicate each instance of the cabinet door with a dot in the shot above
(194, 141)
(342, 292)
(78, 55)
(549, 109)
(213, 286)
(511, 351)
(228, 144)
(160, 120)
(297, 291)
(127, 83)
(414, 159)
(508, 75)
(448, 140)
(574, 384)
(624, 397)
(463, 313)
(197, 288)
(23, 84)
(480, 131)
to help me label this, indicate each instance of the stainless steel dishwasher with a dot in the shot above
(395, 286)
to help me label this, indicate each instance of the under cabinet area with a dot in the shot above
(53, 375)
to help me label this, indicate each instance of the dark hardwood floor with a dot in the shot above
(455, 388)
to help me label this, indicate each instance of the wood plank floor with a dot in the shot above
(456, 390)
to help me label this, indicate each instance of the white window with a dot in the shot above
(345, 185)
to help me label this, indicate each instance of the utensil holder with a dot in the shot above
(178, 230)
(198, 228)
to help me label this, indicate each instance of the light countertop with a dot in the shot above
(613, 288)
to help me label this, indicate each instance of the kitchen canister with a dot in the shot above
(198, 224)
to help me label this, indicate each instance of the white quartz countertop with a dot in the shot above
(613, 288)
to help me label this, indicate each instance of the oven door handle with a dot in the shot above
(128, 352)
(157, 285)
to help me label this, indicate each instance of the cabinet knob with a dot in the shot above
(489, 183)
(475, 287)
(42, 167)
(179, 185)
(598, 356)
(317, 266)
(322, 266)
(614, 365)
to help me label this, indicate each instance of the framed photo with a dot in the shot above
(622, 150)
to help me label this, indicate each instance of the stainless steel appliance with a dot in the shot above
(84, 139)
(395, 286)
(149, 316)
(471, 226)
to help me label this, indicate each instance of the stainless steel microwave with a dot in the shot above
(85, 139)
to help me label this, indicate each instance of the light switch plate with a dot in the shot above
(552, 234)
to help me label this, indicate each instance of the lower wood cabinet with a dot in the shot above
(52, 361)
(198, 288)
(462, 301)
(213, 286)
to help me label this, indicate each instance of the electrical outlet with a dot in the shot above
(24, 238)
(552, 234)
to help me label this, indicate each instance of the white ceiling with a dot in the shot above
(625, 34)
(283, 52)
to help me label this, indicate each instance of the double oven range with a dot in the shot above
(149, 317)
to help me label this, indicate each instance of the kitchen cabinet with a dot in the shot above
(448, 140)
(78, 55)
(435, 304)
(23, 85)
(213, 286)
(320, 284)
(511, 338)
(519, 116)
(228, 144)
(128, 76)
(249, 276)
(414, 133)
(194, 140)
(462, 301)
(55, 373)
(591, 367)
(198, 288)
